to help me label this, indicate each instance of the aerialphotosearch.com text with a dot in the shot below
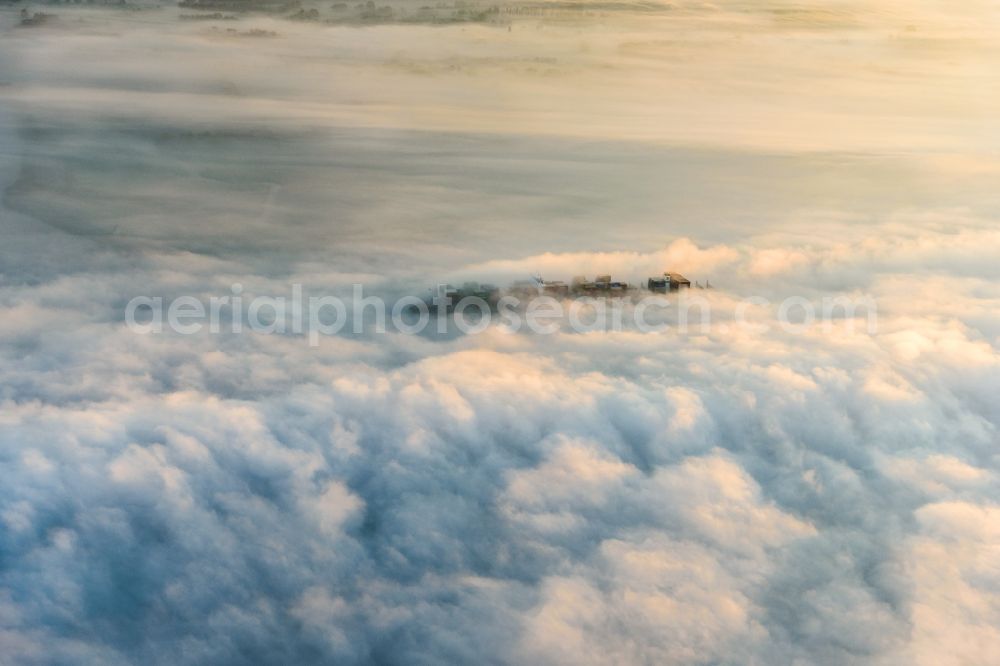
(316, 316)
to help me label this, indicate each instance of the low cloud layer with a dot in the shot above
(714, 496)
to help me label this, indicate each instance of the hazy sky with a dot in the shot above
(723, 497)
